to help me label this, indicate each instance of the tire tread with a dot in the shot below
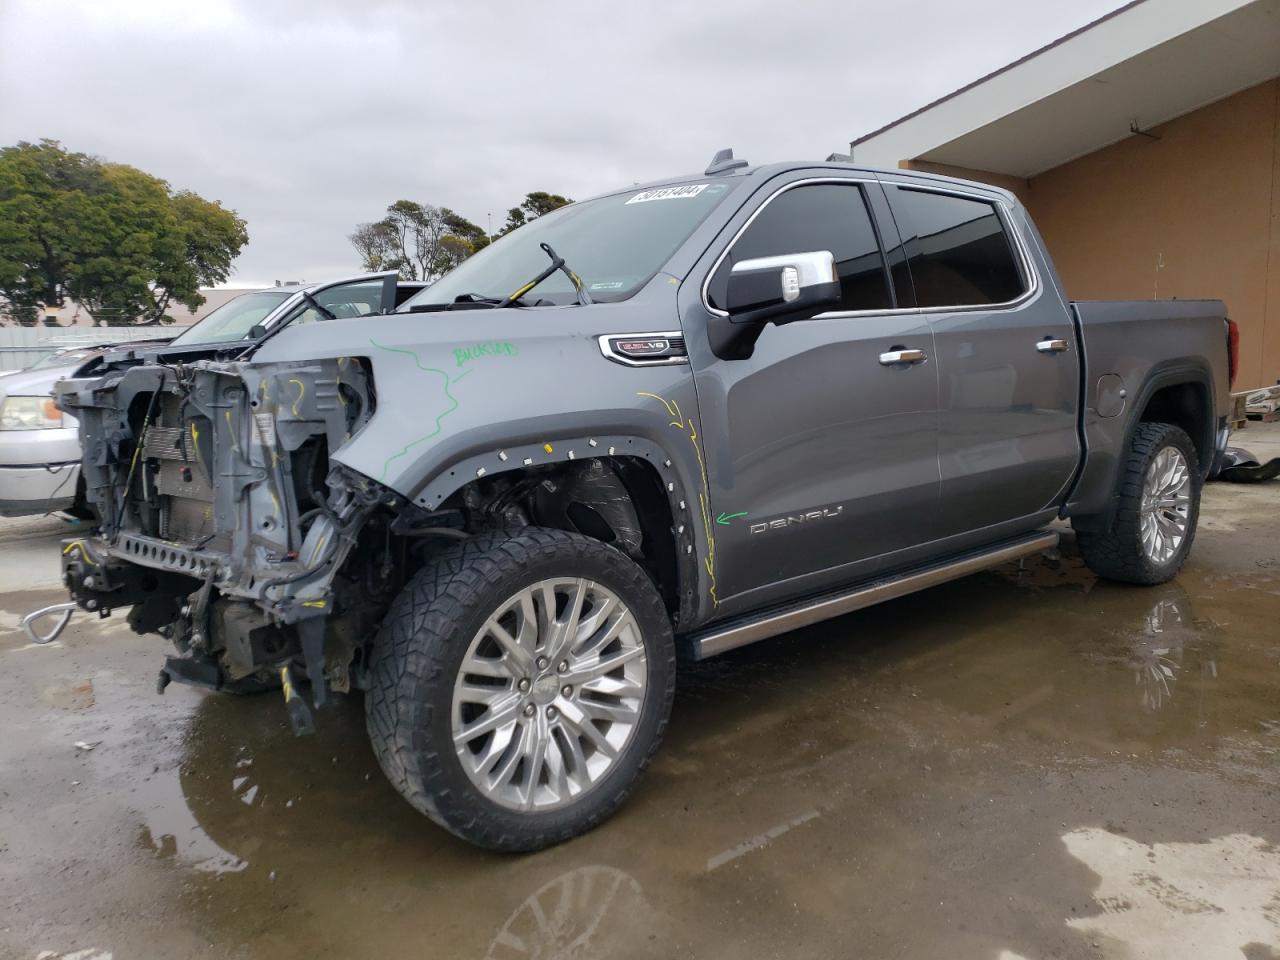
(1117, 554)
(409, 658)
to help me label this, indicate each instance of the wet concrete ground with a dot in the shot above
(1025, 764)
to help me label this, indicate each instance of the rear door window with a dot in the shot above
(811, 217)
(959, 252)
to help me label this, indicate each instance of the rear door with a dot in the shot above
(822, 455)
(1007, 362)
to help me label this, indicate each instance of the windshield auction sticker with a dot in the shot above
(669, 193)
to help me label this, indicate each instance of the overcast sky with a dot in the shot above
(309, 116)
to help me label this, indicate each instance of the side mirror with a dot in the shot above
(256, 332)
(781, 289)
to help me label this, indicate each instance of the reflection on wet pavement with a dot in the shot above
(564, 917)
(1028, 763)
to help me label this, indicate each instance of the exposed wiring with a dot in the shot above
(133, 464)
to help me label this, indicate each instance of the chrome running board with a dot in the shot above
(721, 637)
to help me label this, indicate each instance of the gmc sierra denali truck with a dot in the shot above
(684, 416)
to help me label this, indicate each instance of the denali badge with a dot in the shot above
(793, 518)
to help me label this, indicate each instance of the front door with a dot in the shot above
(1007, 360)
(821, 449)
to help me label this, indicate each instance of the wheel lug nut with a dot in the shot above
(542, 663)
(563, 666)
(530, 710)
(566, 691)
(551, 713)
(523, 685)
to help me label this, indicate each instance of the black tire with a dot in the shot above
(1117, 554)
(419, 651)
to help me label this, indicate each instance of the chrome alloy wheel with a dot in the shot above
(1166, 505)
(548, 694)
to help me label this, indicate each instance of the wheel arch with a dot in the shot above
(656, 489)
(1178, 391)
(1184, 401)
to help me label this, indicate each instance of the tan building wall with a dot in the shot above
(1019, 187)
(1193, 214)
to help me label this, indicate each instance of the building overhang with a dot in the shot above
(1144, 64)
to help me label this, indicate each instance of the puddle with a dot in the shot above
(580, 913)
(170, 830)
(948, 773)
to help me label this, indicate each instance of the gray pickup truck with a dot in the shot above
(678, 417)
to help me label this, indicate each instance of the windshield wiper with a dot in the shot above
(557, 263)
(320, 307)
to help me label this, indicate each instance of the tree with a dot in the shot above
(375, 243)
(420, 241)
(534, 205)
(115, 239)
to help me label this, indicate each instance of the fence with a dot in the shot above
(22, 346)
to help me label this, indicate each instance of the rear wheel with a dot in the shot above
(1159, 505)
(520, 686)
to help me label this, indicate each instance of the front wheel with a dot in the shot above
(520, 685)
(1159, 505)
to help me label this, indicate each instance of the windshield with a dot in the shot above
(234, 319)
(615, 244)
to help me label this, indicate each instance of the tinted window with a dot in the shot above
(820, 216)
(957, 249)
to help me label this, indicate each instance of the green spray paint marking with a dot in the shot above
(452, 399)
(724, 518)
(496, 348)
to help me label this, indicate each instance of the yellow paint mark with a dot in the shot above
(195, 445)
(235, 441)
(276, 501)
(302, 391)
(319, 546)
(284, 682)
(678, 421)
(672, 408)
(318, 604)
(547, 448)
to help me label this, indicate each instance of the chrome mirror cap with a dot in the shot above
(796, 271)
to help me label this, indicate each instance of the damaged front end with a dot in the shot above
(222, 523)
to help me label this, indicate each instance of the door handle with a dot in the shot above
(901, 356)
(1051, 345)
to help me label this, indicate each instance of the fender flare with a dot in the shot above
(1169, 373)
(684, 497)
(1176, 373)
